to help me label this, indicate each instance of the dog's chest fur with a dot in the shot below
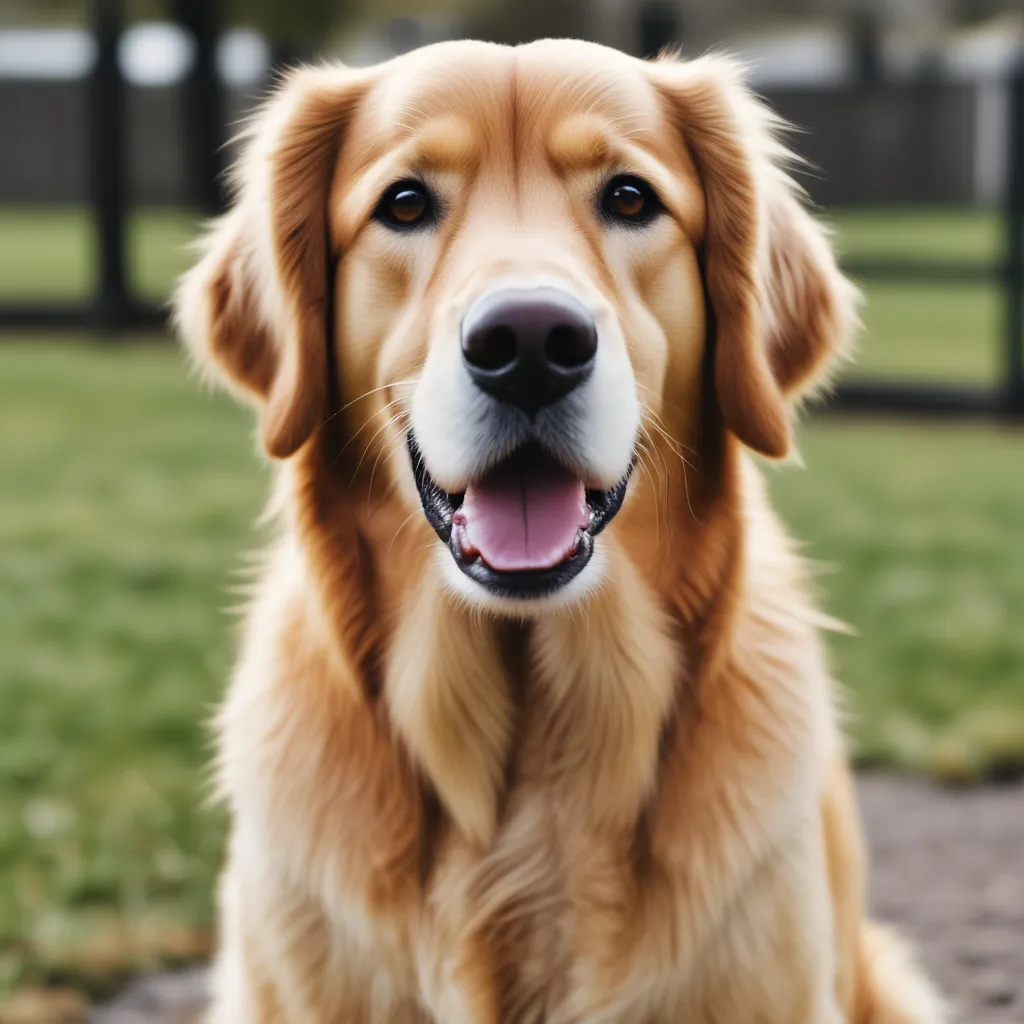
(504, 859)
(498, 837)
(553, 905)
(548, 900)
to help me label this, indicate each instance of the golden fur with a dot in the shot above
(634, 807)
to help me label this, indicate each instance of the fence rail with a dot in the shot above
(918, 271)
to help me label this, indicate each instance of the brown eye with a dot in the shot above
(406, 204)
(629, 199)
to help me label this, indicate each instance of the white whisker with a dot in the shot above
(384, 426)
(401, 527)
(365, 424)
(366, 394)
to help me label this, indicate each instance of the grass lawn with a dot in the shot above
(917, 530)
(932, 332)
(128, 501)
(47, 252)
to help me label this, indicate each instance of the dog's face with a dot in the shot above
(533, 231)
(523, 248)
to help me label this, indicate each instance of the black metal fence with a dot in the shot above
(114, 307)
(1006, 273)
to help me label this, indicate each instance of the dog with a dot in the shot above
(531, 721)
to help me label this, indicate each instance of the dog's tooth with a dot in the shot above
(466, 547)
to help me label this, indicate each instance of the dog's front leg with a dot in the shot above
(773, 956)
(282, 960)
(239, 992)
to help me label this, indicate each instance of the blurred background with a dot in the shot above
(128, 494)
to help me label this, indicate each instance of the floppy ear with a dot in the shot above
(254, 309)
(781, 308)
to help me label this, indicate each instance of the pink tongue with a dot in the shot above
(523, 517)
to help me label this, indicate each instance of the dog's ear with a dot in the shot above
(782, 310)
(254, 309)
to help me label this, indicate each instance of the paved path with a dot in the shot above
(947, 866)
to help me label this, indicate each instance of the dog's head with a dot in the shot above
(510, 270)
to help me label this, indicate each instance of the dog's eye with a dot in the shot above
(630, 200)
(406, 204)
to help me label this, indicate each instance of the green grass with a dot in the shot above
(944, 333)
(917, 528)
(48, 252)
(127, 499)
(928, 332)
(965, 235)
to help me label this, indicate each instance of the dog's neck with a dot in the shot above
(586, 694)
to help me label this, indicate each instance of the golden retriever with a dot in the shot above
(531, 721)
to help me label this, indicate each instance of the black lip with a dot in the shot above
(439, 507)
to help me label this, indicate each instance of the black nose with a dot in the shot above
(528, 347)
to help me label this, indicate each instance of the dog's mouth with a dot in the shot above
(525, 528)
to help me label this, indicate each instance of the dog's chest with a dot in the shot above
(554, 906)
(551, 909)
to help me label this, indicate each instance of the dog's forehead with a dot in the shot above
(556, 78)
(503, 92)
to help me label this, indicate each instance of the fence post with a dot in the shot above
(109, 185)
(1013, 219)
(659, 26)
(204, 108)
